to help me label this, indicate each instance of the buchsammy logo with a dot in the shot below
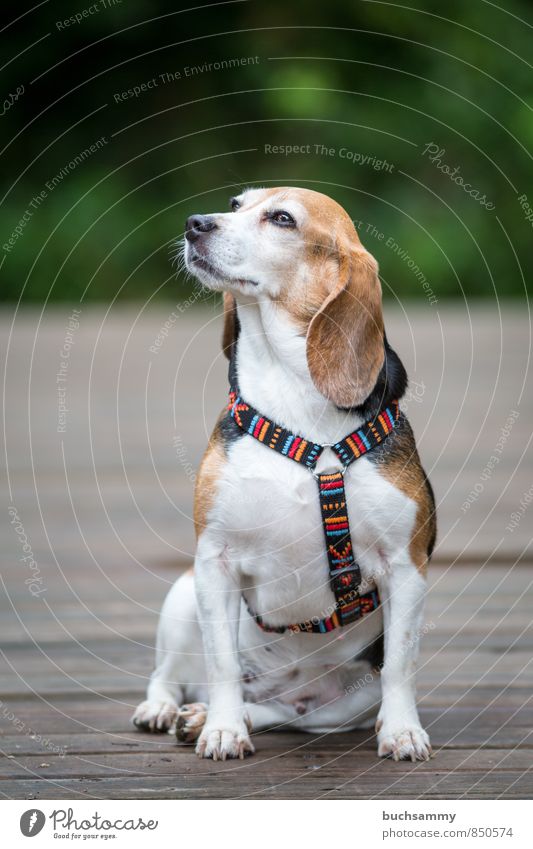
(32, 822)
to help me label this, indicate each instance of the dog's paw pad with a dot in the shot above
(404, 744)
(155, 716)
(190, 721)
(220, 744)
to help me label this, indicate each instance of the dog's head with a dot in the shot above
(300, 250)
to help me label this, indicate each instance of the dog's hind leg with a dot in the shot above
(159, 710)
(179, 660)
(262, 716)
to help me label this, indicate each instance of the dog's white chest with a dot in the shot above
(268, 509)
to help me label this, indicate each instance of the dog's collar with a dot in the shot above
(344, 571)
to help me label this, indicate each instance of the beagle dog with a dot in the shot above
(303, 329)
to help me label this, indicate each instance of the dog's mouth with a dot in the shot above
(195, 262)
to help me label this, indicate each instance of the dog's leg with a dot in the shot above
(225, 733)
(178, 659)
(402, 590)
(158, 712)
(258, 717)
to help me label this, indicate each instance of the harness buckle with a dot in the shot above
(344, 570)
(352, 584)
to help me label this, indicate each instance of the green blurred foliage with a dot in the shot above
(374, 78)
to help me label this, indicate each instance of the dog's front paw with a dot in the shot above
(191, 719)
(155, 716)
(409, 742)
(218, 743)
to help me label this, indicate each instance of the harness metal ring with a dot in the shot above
(317, 475)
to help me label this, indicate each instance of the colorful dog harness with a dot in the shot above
(344, 571)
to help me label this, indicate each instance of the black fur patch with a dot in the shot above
(433, 537)
(390, 385)
(228, 430)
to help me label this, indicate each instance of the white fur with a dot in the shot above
(264, 537)
(247, 252)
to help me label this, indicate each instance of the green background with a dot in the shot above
(378, 79)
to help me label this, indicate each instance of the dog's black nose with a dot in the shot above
(198, 224)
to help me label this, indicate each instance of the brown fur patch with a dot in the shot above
(229, 333)
(345, 339)
(209, 474)
(399, 463)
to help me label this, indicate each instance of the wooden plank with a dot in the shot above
(225, 783)
(177, 761)
(133, 740)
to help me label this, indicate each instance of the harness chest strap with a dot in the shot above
(344, 571)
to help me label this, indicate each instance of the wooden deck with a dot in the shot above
(105, 507)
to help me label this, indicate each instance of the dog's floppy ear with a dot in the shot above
(345, 349)
(231, 325)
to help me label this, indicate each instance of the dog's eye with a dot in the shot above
(234, 204)
(284, 219)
